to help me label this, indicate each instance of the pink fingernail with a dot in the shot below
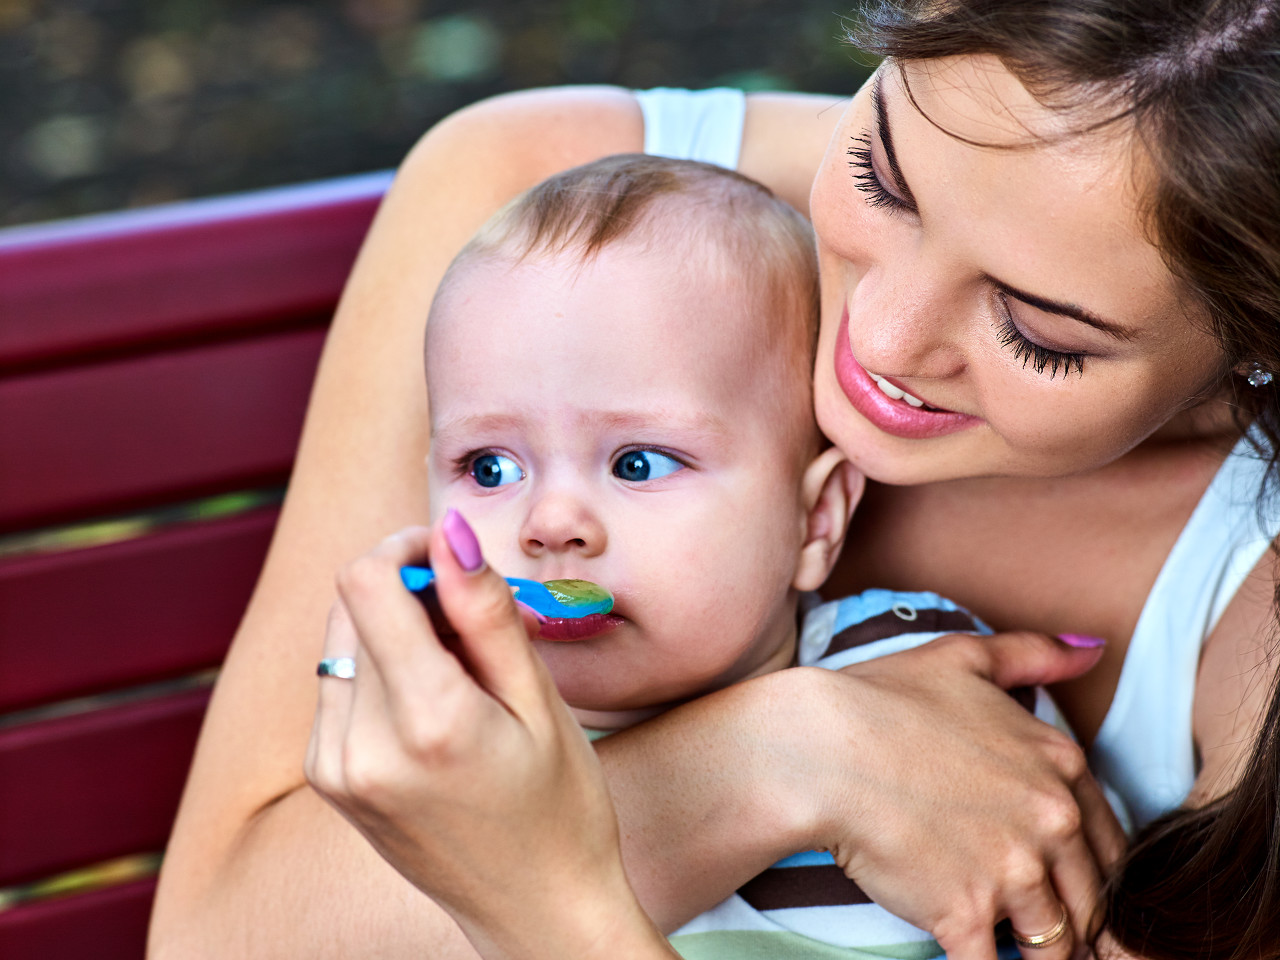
(462, 541)
(1082, 641)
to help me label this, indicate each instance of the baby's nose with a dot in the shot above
(562, 524)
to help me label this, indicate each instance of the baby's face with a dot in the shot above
(627, 422)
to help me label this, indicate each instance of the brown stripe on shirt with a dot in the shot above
(779, 888)
(890, 624)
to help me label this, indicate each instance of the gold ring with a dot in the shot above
(1044, 939)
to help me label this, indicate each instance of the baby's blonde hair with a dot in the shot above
(678, 206)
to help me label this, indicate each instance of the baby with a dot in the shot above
(619, 368)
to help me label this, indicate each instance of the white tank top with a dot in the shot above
(1144, 748)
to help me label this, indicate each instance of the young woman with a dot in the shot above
(1054, 226)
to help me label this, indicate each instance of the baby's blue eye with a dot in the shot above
(493, 470)
(638, 465)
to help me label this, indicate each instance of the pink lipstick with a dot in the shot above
(895, 417)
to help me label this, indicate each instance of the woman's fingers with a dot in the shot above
(973, 942)
(1102, 828)
(1077, 882)
(397, 638)
(1053, 910)
(492, 629)
(1020, 658)
(1044, 930)
(323, 765)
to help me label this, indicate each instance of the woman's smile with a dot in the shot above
(888, 406)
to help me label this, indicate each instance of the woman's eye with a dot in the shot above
(637, 465)
(1040, 358)
(493, 470)
(866, 180)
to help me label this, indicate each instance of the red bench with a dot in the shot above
(154, 368)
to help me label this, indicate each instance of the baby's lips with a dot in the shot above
(569, 629)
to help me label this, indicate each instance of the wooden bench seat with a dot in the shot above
(154, 369)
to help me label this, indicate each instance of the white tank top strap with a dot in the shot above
(701, 125)
(1144, 747)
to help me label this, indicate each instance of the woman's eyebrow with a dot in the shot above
(1088, 317)
(1116, 330)
(886, 140)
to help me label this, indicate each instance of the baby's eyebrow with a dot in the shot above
(642, 425)
(639, 421)
(478, 422)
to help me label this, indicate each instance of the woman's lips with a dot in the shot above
(561, 629)
(896, 417)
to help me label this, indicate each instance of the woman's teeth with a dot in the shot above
(889, 390)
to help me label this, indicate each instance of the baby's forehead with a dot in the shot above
(685, 327)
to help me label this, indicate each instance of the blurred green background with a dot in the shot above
(114, 103)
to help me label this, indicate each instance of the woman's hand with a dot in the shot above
(968, 810)
(462, 766)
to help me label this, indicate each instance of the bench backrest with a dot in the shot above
(154, 369)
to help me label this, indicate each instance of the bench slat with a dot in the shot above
(106, 924)
(93, 786)
(113, 436)
(151, 608)
(172, 272)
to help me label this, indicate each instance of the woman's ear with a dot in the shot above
(831, 488)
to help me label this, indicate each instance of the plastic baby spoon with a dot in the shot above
(561, 599)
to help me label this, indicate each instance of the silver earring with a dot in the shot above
(1259, 376)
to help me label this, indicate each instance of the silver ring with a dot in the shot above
(344, 668)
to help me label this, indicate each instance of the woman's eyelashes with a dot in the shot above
(1028, 351)
(636, 466)
(867, 179)
(492, 469)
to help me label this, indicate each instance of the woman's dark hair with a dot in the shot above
(1198, 81)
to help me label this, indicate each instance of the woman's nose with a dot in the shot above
(562, 523)
(903, 322)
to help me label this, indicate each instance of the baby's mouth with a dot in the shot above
(567, 629)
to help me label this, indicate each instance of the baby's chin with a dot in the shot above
(612, 720)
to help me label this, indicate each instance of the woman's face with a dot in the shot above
(1010, 294)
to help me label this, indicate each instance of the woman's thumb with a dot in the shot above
(1025, 659)
(493, 640)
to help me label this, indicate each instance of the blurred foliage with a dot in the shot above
(114, 103)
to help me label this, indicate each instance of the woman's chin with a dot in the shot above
(893, 460)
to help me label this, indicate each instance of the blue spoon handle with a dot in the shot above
(529, 592)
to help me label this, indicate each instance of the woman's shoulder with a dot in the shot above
(784, 139)
(514, 140)
(509, 142)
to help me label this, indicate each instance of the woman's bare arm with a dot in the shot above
(258, 865)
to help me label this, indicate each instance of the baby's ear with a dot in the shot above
(831, 488)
